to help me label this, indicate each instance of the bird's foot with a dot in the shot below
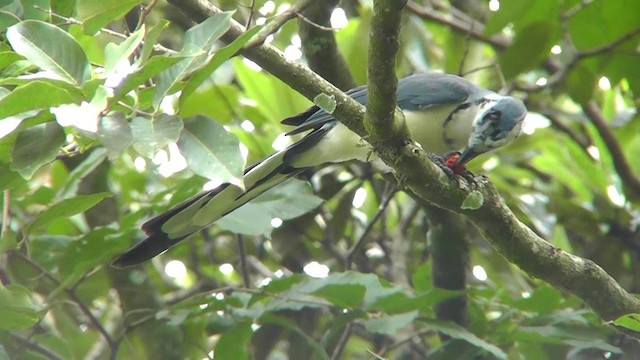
(443, 163)
(447, 163)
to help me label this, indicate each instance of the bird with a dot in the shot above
(444, 113)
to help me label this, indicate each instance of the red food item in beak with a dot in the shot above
(451, 160)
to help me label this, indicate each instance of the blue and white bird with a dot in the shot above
(442, 112)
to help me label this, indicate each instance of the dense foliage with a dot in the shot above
(112, 111)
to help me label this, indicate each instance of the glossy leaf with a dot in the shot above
(211, 151)
(17, 311)
(342, 295)
(115, 53)
(97, 14)
(150, 136)
(458, 332)
(220, 56)
(629, 321)
(151, 68)
(530, 48)
(473, 201)
(34, 95)
(66, 208)
(50, 48)
(391, 324)
(114, 133)
(36, 146)
(232, 343)
(286, 201)
(198, 41)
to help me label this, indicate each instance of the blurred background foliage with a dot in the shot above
(111, 111)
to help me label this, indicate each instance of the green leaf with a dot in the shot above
(521, 14)
(79, 172)
(211, 151)
(66, 208)
(530, 47)
(36, 146)
(34, 95)
(10, 123)
(114, 133)
(325, 102)
(400, 302)
(473, 201)
(390, 324)
(97, 14)
(543, 300)
(197, 43)
(151, 38)
(8, 57)
(222, 55)
(458, 332)
(342, 295)
(232, 344)
(220, 102)
(94, 249)
(285, 201)
(17, 311)
(581, 83)
(629, 321)
(7, 19)
(50, 48)
(270, 318)
(151, 68)
(114, 53)
(275, 99)
(150, 136)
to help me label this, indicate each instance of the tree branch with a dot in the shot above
(620, 163)
(382, 120)
(516, 242)
(319, 45)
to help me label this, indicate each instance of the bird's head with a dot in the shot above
(496, 125)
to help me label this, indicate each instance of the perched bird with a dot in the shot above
(442, 112)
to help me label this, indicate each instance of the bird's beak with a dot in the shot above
(467, 155)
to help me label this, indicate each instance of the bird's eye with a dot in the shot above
(493, 116)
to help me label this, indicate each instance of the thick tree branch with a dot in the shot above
(382, 119)
(516, 242)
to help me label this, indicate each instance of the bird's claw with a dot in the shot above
(447, 163)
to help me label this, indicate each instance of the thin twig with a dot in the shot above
(472, 27)
(36, 347)
(381, 208)
(6, 212)
(276, 23)
(559, 76)
(316, 25)
(113, 346)
(467, 47)
(145, 12)
(342, 343)
(576, 8)
(251, 11)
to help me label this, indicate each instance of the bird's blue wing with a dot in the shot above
(415, 92)
(420, 91)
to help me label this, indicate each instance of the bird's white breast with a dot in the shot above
(429, 127)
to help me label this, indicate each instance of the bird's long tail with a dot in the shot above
(200, 211)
